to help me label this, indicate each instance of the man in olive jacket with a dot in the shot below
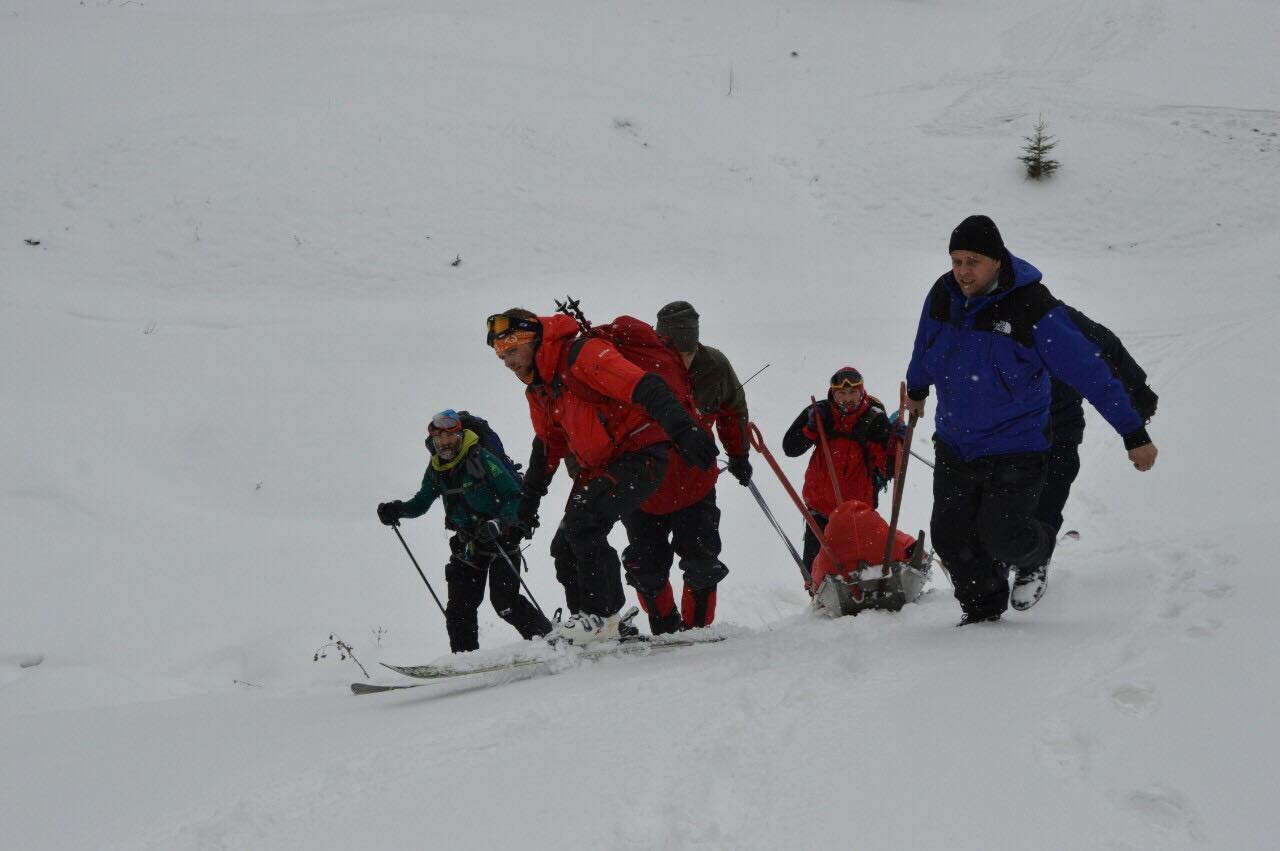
(480, 500)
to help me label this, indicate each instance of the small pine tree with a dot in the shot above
(1036, 151)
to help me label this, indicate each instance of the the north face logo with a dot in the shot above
(1003, 327)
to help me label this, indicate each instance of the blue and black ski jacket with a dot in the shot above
(991, 358)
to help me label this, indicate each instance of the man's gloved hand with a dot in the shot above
(810, 429)
(510, 539)
(740, 469)
(389, 512)
(490, 531)
(527, 515)
(897, 426)
(697, 447)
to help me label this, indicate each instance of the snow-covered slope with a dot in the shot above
(244, 306)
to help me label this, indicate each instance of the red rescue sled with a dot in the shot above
(864, 562)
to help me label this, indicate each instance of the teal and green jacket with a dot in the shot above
(476, 487)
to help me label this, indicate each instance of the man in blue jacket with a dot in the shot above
(991, 337)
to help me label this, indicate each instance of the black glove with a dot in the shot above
(740, 469)
(697, 447)
(389, 512)
(653, 394)
(510, 540)
(490, 531)
(527, 515)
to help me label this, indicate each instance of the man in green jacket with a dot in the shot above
(480, 500)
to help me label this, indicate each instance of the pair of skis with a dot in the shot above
(433, 674)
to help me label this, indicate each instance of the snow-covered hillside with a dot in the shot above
(230, 235)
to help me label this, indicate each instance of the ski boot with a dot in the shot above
(585, 628)
(1029, 585)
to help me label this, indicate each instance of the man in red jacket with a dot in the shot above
(860, 437)
(618, 421)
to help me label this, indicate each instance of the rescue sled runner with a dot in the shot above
(876, 587)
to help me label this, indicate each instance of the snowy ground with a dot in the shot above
(243, 308)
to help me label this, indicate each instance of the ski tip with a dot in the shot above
(374, 688)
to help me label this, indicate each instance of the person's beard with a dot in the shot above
(447, 453)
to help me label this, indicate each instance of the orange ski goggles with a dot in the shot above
(517, 329)
(846, 379)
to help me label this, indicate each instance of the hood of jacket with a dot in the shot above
(557, 332)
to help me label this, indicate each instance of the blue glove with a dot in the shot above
(897, 425)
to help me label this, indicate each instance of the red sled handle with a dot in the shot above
(757, 443)
(899, 471)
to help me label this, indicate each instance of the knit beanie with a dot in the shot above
(679, 321)
(980, 235)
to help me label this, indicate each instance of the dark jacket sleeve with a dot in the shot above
(653, 394)
(732, 416)
(796, 442)
(538, 479)
(1121, 362)
(918, 377)
(1076, 360)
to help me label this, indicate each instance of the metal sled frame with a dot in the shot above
(889, 590)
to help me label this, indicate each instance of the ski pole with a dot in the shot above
(396, 529)
(777, 527)
(826, 451)
(923, 460)
(773, 521)
(516, 570)
(742, 384)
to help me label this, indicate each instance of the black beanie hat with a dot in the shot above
(980, 235)
(679, 321)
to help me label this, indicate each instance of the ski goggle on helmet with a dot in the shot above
(446, 422)
(513, 330)
(846, 379)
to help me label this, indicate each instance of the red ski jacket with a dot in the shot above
(585, 407)
(860, 442)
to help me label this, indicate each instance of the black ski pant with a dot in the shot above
(566, 569)
(983, 523)
(465, 575)
(653, 541)
(812, 546)
(595, 579)
(1063, 467)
